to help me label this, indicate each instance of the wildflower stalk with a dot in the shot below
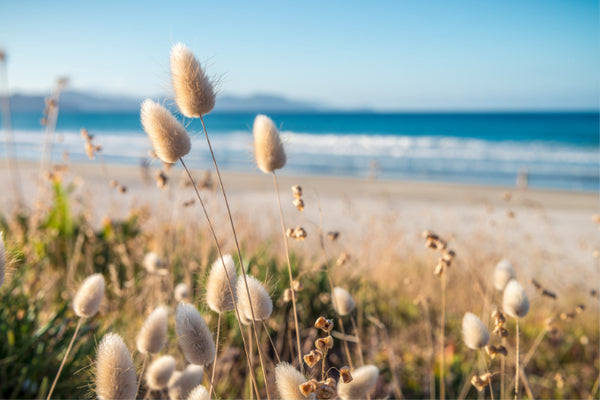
(517, 364)
(137, 390)
(442, 337)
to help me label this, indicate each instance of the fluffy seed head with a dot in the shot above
(153, 335)
(261, 301)
(159, 372)
(194, 92)
(2, 259)
(474, 331)
(194, 337)
(342, 301)
(364, 378)
(268, 149)
(89, 296)
(115, 372)
(152, 262)
(199, 393)
(182, 292)
(169, 138)
(182, 383)
(288, 380)
(218, 296)
(515, 301)
(503, 273)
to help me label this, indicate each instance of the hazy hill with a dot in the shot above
(90, 102)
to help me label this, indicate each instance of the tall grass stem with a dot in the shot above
(62, 364)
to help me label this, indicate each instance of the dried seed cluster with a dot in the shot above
(90, 148)
(298, 202)
(434, 242)
(297, 233)
(481, 381)
(499, 321)
(541, 290)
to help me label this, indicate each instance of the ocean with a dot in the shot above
(552, 150)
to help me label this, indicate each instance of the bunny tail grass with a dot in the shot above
(115, 372)
(169, 138)
(86, 302)
(194, 337)
(194, 92)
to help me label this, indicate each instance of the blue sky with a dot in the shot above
(386, 55)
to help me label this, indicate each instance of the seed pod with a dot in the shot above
(313, 357)
(324, 324)
(345, 375)
(324, 344)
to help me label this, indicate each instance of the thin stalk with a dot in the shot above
(272, 344)
(214, 367)
(331, 285)
(250, 346)
(239, 252)
(141, 374)
(360, 352)
(214, 235)
(481, 355)
(442, 338)
(503, 373)
(429, 333)
(517, 365)
(534, 346)
(289, 265)
(62, 364)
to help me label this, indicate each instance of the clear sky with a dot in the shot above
(387, 55)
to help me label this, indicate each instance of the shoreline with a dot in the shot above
(549, 234)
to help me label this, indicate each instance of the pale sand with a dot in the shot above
(551, 237)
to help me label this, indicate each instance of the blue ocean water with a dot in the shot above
(554, 150)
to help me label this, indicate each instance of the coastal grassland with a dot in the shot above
(53, 248)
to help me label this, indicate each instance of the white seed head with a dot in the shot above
(182, 383)
(2, 259)
(218, 294)
(268, 149)
(475, 333)
(515, 301)
(199, 393)
(115, 372)
(364, 378)
(89, 296)
(194, 93)
(503, 273)
(160, 372)
(194, 337)
(261, 301)
(288, 380)
(182, 292)
(342, 301)
(152, 262)
(169, 138)
(153, 335)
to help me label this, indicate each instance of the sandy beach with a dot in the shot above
(549, 234)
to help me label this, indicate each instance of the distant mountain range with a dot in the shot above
(90, 102)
